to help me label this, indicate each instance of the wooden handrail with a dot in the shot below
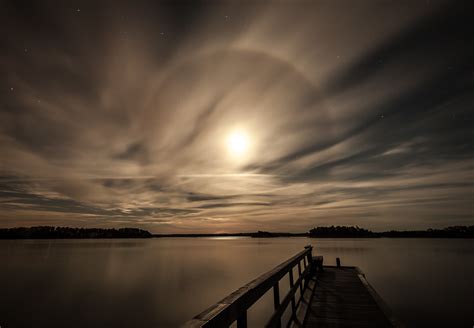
(234, 307)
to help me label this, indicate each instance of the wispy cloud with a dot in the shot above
(356, 114)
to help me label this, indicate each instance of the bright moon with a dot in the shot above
(238, 143)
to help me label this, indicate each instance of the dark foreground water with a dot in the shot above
(164, 282)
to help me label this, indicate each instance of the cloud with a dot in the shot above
(359, 116)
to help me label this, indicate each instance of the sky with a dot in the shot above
(227, 116)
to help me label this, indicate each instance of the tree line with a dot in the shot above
(43, 232)
(354, 232)
(49, 232)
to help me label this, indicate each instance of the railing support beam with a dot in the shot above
(276, 300)
(242, 321)
(293, 303)
(299, 275)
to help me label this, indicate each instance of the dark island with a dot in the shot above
(448, 232)
(47, 232)
(356, 232)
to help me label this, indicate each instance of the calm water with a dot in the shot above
(164, 282)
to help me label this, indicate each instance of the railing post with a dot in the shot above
(276, 300)
(293, 303)
(301, 281)
(242, 320)
(310, 254)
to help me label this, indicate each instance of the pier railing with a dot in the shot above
(234, 307)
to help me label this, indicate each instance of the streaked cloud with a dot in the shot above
(118, 115)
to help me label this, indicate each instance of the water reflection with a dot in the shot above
(163, 282)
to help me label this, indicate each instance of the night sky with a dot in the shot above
(236, 116)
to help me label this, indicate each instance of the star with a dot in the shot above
(78, 10)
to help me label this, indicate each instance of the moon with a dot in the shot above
(238, 143)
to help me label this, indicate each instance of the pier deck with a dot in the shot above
(342, 297)
(319, 296)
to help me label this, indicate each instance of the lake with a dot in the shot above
(162, 282)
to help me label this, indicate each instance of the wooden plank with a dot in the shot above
(342, 299)
(331, 322)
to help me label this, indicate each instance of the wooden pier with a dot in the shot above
(343, 298)
(329, 296)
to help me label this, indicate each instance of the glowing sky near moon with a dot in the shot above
(238, 143)
(236, 116)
